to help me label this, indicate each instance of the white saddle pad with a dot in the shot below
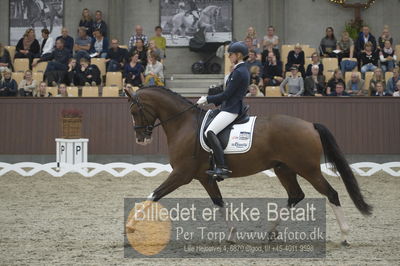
(240, 138)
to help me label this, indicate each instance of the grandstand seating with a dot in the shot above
(110, 92)
(330, 64)
(388, 75)
(368, 77)
(101, 64)
(41, 67)
(347, 76)
(90, 91)
(397, 47)
(21, 64)
(11, 50)
(18, 76)
(52, 90)
(38, 76)
(73, 91)
(114, 79)
(273, 91)
(285, 49)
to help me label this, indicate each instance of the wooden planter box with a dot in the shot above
(71, 127)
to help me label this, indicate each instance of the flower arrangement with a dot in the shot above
(73, 113)
(354, 27)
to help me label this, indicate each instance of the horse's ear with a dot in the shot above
(129, 94)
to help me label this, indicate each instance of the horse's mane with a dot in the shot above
(172, 93)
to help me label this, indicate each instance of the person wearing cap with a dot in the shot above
(295, 83)
(231, 102)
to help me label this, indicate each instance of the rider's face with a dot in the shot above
(233, 57)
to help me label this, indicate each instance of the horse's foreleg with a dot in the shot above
(216, 197)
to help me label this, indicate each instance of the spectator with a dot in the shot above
(153, 49)
(328, 43)
(364, 37)
(314, 85)
(82, 45)
(68, 40)
(272, 71)
(99, 46)
(99, 24)
(252, 60)
(88, 75)
(86, 21)
(296, 58)
(315, 62)
(58, 61)
(160, 41)
(271, 37)
(337, 77)
(249, 43)
(251, 33)
(339, 90)
(295, 83)
(384, 37)
(133, 72)
(255, 76)
(269, 47)
(73, 69)
(380, 90)
(254, 91)
(346, 47)
(62, 90)
(368, 59)
(377, 77)
(397, 89)
(28, 85)
(391, 84)
(42, 91)
(5, 59)
(28, 47)
(387, 57)
(355, 86)
(8, 86)
(141, 50)
(47, 45)
(138, 35)
(116, 57)
(154, 74)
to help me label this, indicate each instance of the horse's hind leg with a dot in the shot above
(322, 186)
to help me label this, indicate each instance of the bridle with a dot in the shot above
(148, 128)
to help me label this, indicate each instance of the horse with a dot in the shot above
(35, 14)
(182, 24)
(279, 142)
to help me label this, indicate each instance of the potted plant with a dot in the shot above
(71, 124)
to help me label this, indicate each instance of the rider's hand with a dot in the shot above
(202, 100)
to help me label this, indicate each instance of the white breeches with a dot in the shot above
(221, 121)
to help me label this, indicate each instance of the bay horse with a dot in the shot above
(279, 142)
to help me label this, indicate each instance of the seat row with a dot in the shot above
(89, 91)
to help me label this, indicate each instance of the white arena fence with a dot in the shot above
(152, 169)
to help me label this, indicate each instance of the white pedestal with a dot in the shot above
(71, 151)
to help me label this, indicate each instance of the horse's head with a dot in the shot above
(143, 119)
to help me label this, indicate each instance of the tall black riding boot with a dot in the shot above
(221, 169)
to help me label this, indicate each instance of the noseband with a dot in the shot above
(148, 129)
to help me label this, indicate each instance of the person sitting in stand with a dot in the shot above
(296, 59)
(363, 38)
(161, 42)
(154, 74)
(391, 83)
(99, 46)
(337, 77)
(255, 77)
(154, 49)
(377, 77)
(252, 60)
(231, 101)
(294, 82)
(396, 92)
(5, 59)
(138, 35)
(251, 33)
(133, 72)
(269, 47)
(254, 91)
(141, 50)
(8, 86)
(384, 37)
(28, 85)
(116, 57)
(328, 43)
(86, 22)
(62, 90)
(314, 85)
(355, 86)
(82, 45)
(99, 24)
(315, 61)
(345, 46)
(272, 74)
(368, 59)
(380, 90)
(388, 57)
(339, 90)
(271, 38)
(88, 75)
(28, 47)
(42, 91)
(68, 40)
(47, 45)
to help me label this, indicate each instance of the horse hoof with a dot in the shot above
(345, 243)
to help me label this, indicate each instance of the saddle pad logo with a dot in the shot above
(244, 135)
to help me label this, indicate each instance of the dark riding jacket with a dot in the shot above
(231, 99)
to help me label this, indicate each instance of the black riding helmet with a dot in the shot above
(238, 47)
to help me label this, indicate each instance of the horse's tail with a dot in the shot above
(335, 156)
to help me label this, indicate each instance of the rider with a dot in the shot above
(231, 101)
(194, 10)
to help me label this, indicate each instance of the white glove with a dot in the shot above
(202, 100)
